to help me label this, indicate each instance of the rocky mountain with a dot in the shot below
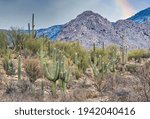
(141, 16)
(90, 27)
(51, 32)
(135, 35)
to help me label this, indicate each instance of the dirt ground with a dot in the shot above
(120, 87)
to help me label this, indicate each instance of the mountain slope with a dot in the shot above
(89, 28)
(51, 32)
(135, 35)
(141, 16)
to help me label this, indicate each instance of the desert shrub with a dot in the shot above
(137, 54)
(97, 52)
(33, 69)
(3, 43)
(17, 38)
(146, 54)
(8, 65)
(70, 48)
(131, 68)
(78, 73)
(112, 49)
(33, 45)
(105, 54)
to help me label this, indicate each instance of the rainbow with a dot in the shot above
(127, 9)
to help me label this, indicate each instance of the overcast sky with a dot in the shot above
(18, 13)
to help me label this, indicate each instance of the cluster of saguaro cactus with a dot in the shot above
(56, 71)
(99, 67)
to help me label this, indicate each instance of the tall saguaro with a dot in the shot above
(29, 28)
(33, 25)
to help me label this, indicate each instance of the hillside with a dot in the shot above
(142, 16)
(90, 27)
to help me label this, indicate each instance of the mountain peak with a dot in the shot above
(88, 13)
(142, 16)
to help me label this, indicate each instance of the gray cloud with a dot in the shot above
(51, 12)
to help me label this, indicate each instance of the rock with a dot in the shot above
(89, 73)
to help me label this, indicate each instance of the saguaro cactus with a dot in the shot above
(52, 71)
(94, 47)
(113, 61)
(52, 74)
(29, 30)
(33, 26)
(99, 68)
(126, 50)
(49, 48)
(103, 46)
(19, 67)
(123, 51)
(64, 75)
(57, 71)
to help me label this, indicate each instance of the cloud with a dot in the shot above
(51, 12)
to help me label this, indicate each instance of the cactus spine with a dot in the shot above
(19, 67)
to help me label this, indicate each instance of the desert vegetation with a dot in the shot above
(38, 69)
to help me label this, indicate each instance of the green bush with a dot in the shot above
(131, 68)
(33, 45)
(8, 65)
(3, 43)
(70, 48)
(146, 54)
(136, 54)
(17, 38)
